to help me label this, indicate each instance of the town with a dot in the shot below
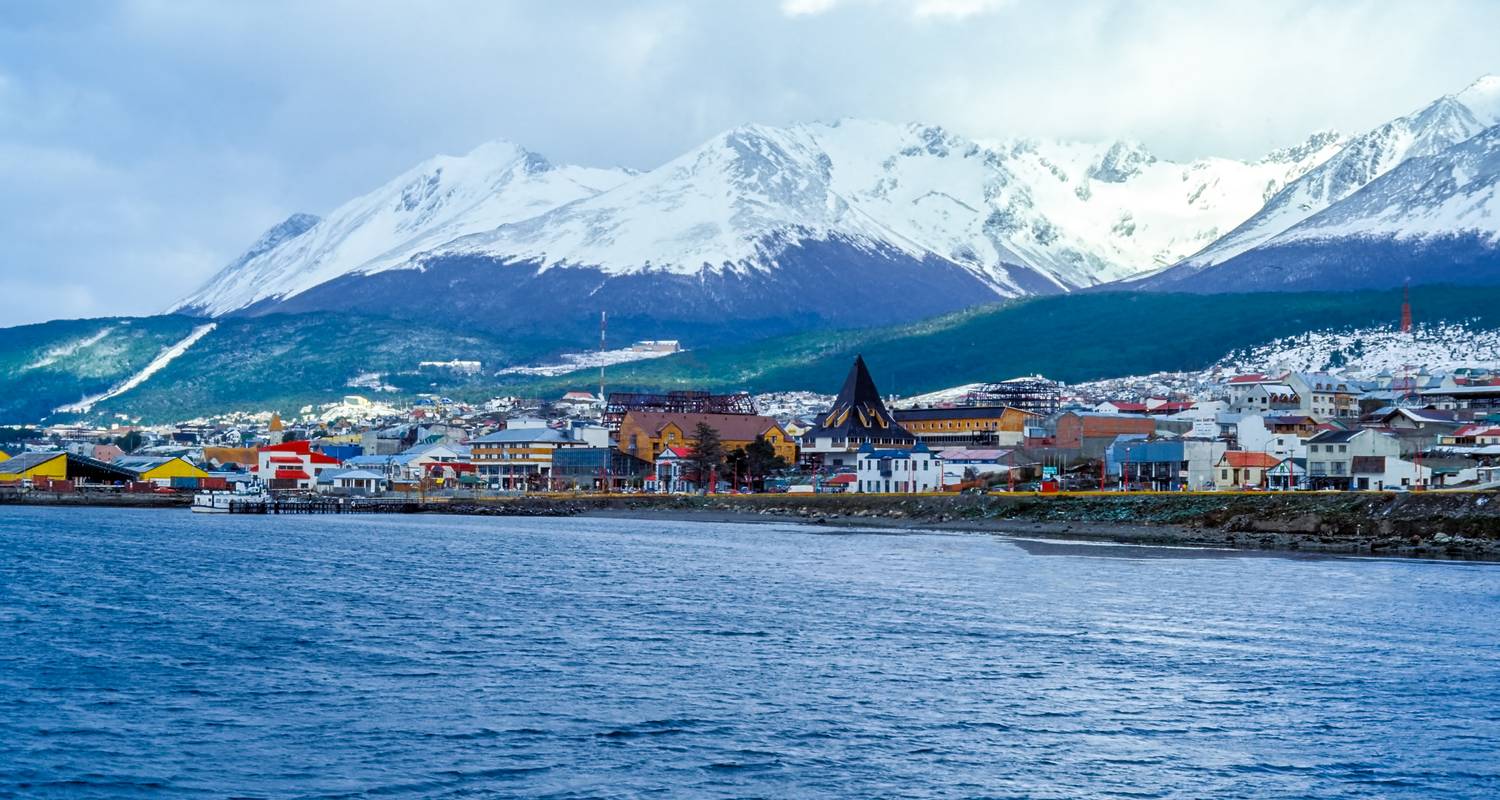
(1251, 432)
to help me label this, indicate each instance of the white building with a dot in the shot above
(910, 470)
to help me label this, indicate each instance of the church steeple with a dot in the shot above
(859, 415)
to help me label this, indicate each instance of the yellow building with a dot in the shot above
(645, 434)
(4, 456)
(160, 470)
(60, 466)
(965, 426)
(35, 465)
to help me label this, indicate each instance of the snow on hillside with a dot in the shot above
(434, 202)
(1077, 214)
(1081, 214)
(593, 359)
(1366, 352)
(162, 359)
(65, 350)
(1429, 131)
(1454, 192)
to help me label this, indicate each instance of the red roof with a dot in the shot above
(840, 480)
(1243, 459)
(1251, 378)
(290, 475)
(301, 446)
(284, 460)
(679, 452)
(319, 458)
(1128, 406)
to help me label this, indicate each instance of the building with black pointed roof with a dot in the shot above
(858, 417)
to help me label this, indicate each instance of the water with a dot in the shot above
(166, 654)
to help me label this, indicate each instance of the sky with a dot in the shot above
(144, 144)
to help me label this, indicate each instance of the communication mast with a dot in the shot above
(1406, 308)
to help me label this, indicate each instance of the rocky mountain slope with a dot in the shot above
(1409, 199)
(757, 231)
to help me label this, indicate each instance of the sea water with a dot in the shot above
(166, 654)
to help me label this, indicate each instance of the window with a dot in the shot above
(1343, 448)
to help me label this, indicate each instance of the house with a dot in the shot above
(1387, 472)
(858, 417)
(1324, 396)
(1164, 464)
(354, 482)
(645, 434)
(517, 459)
(1091, 432)
(974, 426)
(160, 470)
(1480, 434)
(1288, 474)
(671, 473)
(1330, 455)
(903, 471)
(414, 463)
(292, 465)
(1260, 394)
(960, 463)
(1418, 429)
(1243, 469)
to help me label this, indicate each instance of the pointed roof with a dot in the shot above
(859, 413)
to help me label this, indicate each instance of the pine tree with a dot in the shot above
(707, 459)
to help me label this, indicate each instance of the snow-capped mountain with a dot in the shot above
(774, 214)
(1433, 219)
(1428, 132)
(434, 202)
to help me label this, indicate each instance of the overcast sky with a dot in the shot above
(145, 144)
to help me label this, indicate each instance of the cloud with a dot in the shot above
(144, 144)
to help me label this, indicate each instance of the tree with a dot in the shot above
(707, 458)
(761, 460)
(131, 441)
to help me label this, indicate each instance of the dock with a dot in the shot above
(335, 505)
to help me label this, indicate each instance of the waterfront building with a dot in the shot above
(1090, 433)
(517, 459)
(60, 466)
(858, 418)
(897, 470)
(1331, 454)
(292, 465)
(1243, 469)
(646, 434)
(160, 470)
(597, 468)
(961, 462)
(965, 426)
(1165, 464)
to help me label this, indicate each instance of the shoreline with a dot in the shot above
(1435, 525)
(1086, 531)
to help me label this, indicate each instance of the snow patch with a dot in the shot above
(162, 359)
(63, 351)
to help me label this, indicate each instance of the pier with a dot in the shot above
(336, 505)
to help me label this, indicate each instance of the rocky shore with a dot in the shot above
(1433, 525)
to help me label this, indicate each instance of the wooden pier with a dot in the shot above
(330, 505)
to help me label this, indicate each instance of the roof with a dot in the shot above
(358, 475)
(731, 427)
(142, 463)
(1248, 459)
(301, 446)
(523, 435)
(1254, 377)
(868, 449)
(27, 461)
(858, 412)
(675, 452)
(1334, 436)
(842, 479)
(289, 475)
(1367, 465)
(953, 412)
(973, 454)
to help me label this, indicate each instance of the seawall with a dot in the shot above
(1459, 525)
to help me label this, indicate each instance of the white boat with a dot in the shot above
(218, 502)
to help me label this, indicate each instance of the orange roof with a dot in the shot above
(1244, 459)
